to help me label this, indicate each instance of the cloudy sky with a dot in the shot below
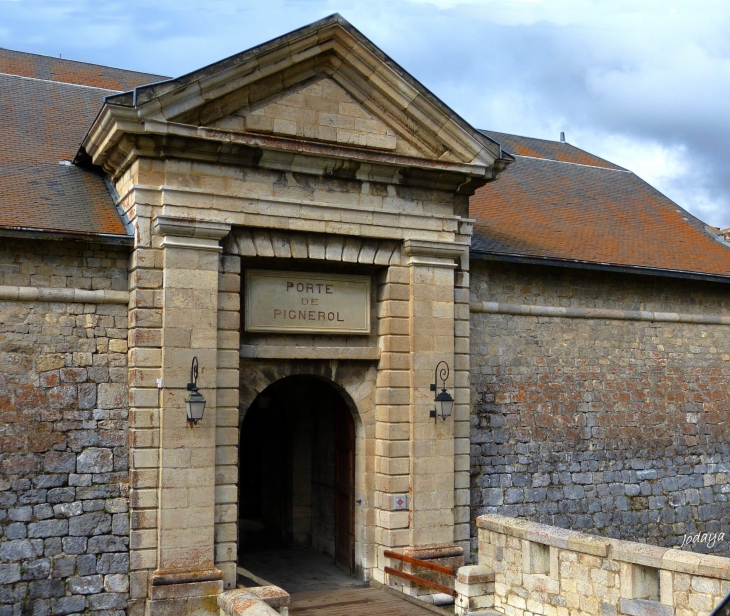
(643, 83)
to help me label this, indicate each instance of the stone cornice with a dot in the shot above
(448, 250)
(434, 254)
(186, 227)
(190, 233)
(277, 212)
(122, 142)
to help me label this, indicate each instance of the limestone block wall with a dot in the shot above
(64, 525)
(612, 426)
(540, 569)
(227, 437)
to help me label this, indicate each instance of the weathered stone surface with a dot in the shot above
(108, 601)
(48, 528)
(46, 589)
(9, 573)
(20, 549)
(36, 569)
(88, 524)
(18, 530)
(60, 462)
(112, 395)
(68, 605)
(86, 585)
(107, 544)
(113, 563)
(95, 460)
(116, 583)
(87, 396)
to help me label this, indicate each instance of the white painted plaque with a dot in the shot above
(298, 302)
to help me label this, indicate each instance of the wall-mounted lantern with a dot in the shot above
(444, 401)
(195, 402)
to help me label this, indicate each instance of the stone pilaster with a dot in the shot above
(145, 359)
(226, 440)
(431, 341)
(186, 577)
(415, 455)
(462, 393)
(392, 430)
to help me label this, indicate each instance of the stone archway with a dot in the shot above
(277, 445)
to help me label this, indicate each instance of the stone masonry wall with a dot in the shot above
(64, 524)
(612, 427)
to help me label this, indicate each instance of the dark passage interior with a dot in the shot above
(296, 472)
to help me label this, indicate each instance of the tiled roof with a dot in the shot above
(69, 71)
(42, 124)
(558, 202)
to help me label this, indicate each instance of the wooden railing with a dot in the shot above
(414, 579)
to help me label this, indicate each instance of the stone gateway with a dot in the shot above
(320, 232)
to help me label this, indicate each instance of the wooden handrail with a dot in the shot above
(420, 581)
(419, 563)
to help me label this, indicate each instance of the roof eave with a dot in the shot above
(36, 233)
(606, 267)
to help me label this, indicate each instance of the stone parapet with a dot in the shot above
(540, 569)
(258, 601)
(474, 588)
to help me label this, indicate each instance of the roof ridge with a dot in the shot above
(567, 162)
(63, 83)
(40, 55)
(499, 132)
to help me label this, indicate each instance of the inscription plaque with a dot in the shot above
(307, 303)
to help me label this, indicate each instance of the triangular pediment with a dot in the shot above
(322, 86)
(318, 111)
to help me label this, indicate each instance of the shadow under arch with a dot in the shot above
(354, 380)
(297, 466)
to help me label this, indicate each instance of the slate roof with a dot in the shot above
(42, 123)
(559, 203)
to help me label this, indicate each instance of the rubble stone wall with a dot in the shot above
(64, 526)
(613, 427)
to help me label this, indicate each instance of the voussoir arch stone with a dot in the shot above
(354, 380)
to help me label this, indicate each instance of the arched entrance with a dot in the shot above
(297, 471)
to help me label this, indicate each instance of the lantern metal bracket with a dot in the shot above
(441, 374)
(193, 384)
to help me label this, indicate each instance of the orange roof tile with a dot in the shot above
(558, 202)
